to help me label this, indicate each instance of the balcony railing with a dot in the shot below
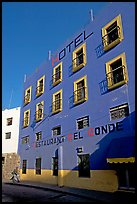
(26, 121)
(80, 94)
(56, 105)
(39, 115)
(78, 62)
(26, 99)
(113, 36)
(39, 90)
(56, 77)
(117, 75)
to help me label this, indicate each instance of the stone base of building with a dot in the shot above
(10, 161)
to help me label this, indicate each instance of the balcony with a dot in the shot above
(80, 95)
(56, 78)
(26, 99)
(38, 115)
(39, 90)
(112, 38)
(57, 106)
(78, 62)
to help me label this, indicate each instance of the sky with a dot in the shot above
(29, 31)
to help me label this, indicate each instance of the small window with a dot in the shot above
(83, 122)
(112, 33)
(116, 72)
(27, 97)
(57, 74)
(38, 166)
(79, 57)
(9, 121)
(25, 140)
(80, 90)
(39, 111)
(56, 131)
(8, 135)
(57, 102)
(3, 160)
(26, 118)
(55, 166)
(24, 166)
(119, 112)
(38, 136)
(84, 165)
(40, 86)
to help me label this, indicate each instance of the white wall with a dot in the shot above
(10, 145)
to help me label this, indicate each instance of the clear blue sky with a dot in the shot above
(29, 31)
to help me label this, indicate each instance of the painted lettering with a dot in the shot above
(69, 46)
(85, 37)
(90, 132)
(78, 41)
(62, 54)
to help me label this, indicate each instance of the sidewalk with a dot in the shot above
(119, 196)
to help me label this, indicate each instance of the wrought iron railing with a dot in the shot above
(26, 99)
(39, 114)
(56, 105)
(26, 121)
(111, 36)
(56, 76)
(39, 89)
(116, 75)
(78, 60)
(80, 94)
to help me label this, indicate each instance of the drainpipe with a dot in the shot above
(60, 167)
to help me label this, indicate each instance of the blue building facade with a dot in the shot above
(77, 122)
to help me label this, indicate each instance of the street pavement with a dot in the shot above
(107, 197)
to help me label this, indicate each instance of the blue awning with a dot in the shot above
(121, 150)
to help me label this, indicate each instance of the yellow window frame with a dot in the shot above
(109, 73)
(54, 72)
(24, 123)
(108, 46)
(74, 55)
(26, 92)
(38, 93)
(76, 101)
(37, 108)
(53, 100)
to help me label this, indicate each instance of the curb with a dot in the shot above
(54, 190)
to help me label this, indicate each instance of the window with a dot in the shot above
(24, 166)
(39, 111)
(25, 140)
(26, 118)
(27, 97)
(9, 121)
(112, 33)
(38, 136)
(57, 74)
(83, 122)
(38, 166)
(56, 131)
(116, 72)
(79, 57)
(55, 166)
(3, 160)
(84, 165)
(8, 135)
(40, 86)
(119, 111)
(57, 102)
(80, 90)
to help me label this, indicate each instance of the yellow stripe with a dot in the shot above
(121, 160)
